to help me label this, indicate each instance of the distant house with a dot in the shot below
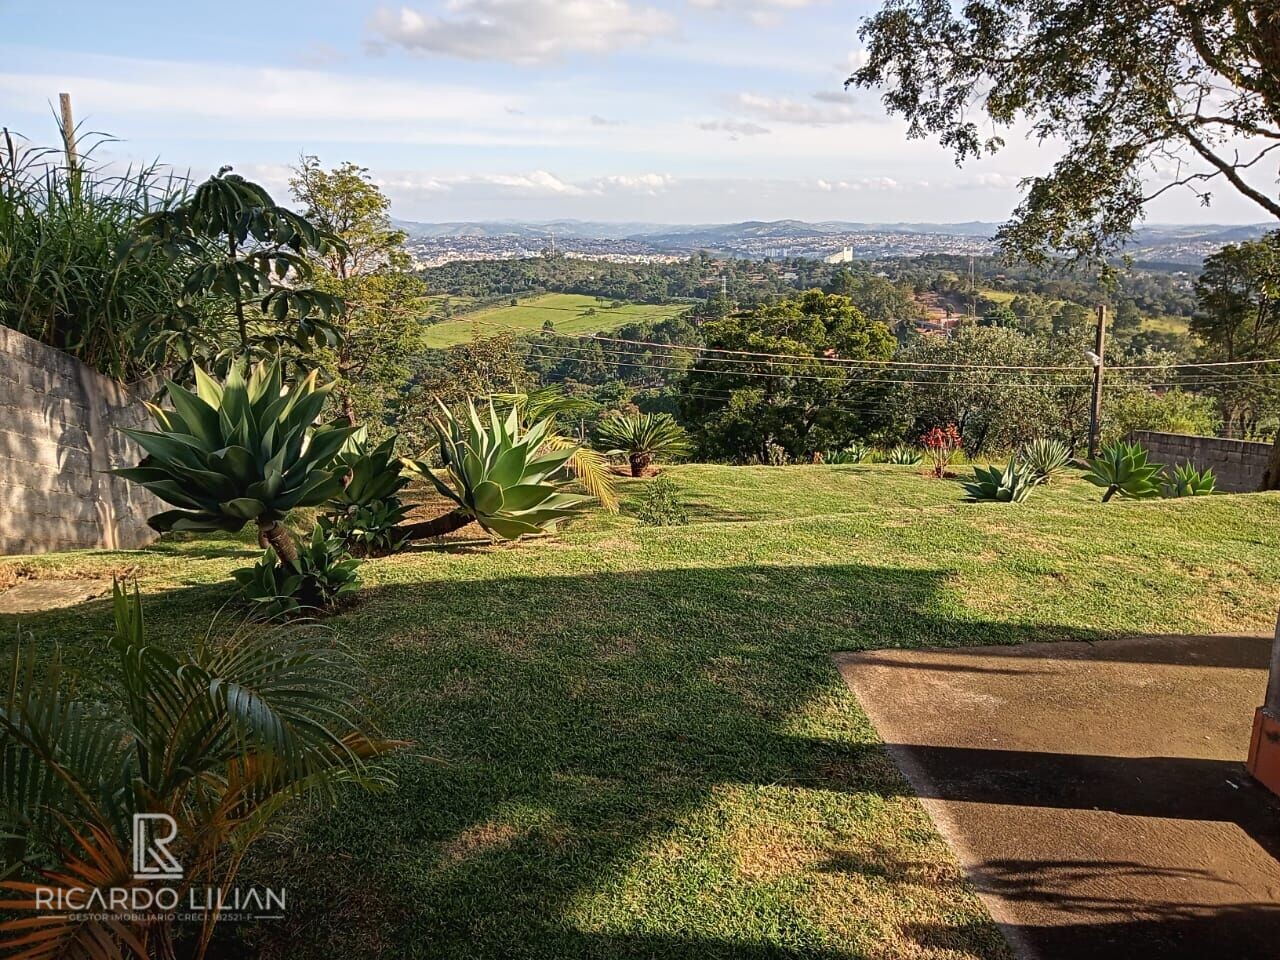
(844, 256)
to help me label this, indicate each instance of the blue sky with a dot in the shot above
(663, 111)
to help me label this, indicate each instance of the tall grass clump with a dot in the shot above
(63, 278)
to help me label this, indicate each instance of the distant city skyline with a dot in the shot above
(670, 111)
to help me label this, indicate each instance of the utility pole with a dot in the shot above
(1095, 407)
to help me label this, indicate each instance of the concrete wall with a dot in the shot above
(1238, 464)
(58, 421)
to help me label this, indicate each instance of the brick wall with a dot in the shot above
(1238, 464)
(58, 435)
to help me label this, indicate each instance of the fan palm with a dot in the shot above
(643, 438)
(589, 466)
(219, 739)
(499, 474)
(242, 450)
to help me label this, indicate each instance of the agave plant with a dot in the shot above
(500, 475)
(904, 455)
(322, 574)
(1123, 468)
(368, 510)
(642, 438)
(1010, 484)
(589, 466)
(1187, 481)
(1044, 457)
(854, 453)
(219, 739)
(244, 450)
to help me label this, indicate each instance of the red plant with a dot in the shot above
(942, 443)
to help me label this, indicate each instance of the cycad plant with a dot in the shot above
(240, 451)
(1045, 457)
(1187, 481)
(643, 438)
(1009, 484)
(219, 739)
(500, 475)
(588, 466)
(368, 510)
(1122, 468)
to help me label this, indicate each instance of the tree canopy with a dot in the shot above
(1145, 95)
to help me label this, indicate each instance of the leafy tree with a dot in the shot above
(1129, 87)
(1239, 319)
(251, 256)
(383, 303)
(1000, 315)
(742, 404)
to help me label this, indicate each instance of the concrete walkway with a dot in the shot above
(1094, 792)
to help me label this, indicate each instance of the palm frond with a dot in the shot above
(590, 468)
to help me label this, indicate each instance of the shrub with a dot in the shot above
(775, 455)
(321, 574)
(368, 511)
(219, 738)
(904, 455)
(1187, 481)
(1123, 468)
(1012, 484)
(942, 444)
(661, 505)
(1044, 457)
(643, 438)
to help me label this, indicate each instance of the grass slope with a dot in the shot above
(631, 742)
(566, 311)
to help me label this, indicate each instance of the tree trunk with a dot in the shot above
(639, 463)
(278, 538)
(438, 527)
(1271, 476)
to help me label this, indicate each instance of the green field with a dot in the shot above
(568, 313)
(631, 742)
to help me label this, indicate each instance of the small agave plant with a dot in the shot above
(1010, 484)
(1122, 468)
(1187, 481)
(1045, 457)
(366, 514)
(500, 475)
(854, 453)
(904, 455)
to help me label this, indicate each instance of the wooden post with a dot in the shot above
(68, 130)
(1095, 407)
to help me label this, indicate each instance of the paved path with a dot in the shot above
(1094, 792)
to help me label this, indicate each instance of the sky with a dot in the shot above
(661, 111)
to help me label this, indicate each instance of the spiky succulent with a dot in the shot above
(905, 455)
(242, 450)
(1123, 468)
(1187, 481)
(500, 474)
(643, 438)
(854, 453)
(323, 572)
(1009, 484)
(1044, 457)
(367, 511)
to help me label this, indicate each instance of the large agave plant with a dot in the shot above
(1123, 468)
(642, 438)
(219, 738)
(1187, 481)
(500, 475)
(240, 451)
(1010, 484)
(1045, 457)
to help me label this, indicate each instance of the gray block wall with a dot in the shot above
(58, 436)
(1238, 464)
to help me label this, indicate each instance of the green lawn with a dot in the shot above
(631, 742)
(570, 313)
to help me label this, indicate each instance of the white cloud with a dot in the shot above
(762, 13)
(524, 32)
(881, 184)
(649, 183)
(784, 110)
(736, 128)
